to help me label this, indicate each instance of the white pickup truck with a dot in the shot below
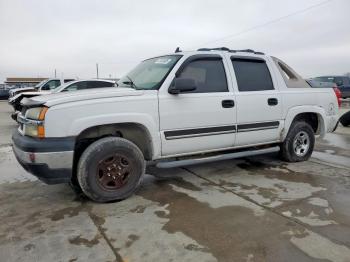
(172, 110)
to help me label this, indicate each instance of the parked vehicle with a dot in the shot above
(342, 82)
(45, 85)
(345, 119)
(171, 111)
(4, 93)
(70, 86)
(317, 84)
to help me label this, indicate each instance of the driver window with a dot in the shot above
(208, 74)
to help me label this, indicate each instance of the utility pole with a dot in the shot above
(97, 70)
(55, 74)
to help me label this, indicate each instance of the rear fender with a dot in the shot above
(295, 111)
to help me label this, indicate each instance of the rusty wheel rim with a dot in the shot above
(113, 172)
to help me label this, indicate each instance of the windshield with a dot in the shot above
(149, 74)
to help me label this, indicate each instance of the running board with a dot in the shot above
(195, 161)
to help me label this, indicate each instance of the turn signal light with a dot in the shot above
(338, 95)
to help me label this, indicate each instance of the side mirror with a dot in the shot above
(182, 85)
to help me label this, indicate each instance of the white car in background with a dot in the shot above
(45, 85)
(70, 86)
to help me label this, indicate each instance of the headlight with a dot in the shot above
(31, 130)
(35, 122)
(33, 113)
(36, 113)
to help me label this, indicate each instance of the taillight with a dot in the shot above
(338, 95)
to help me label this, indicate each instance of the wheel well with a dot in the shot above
(311, 118)
(133, 132)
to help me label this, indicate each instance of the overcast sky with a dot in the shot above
(37, 37)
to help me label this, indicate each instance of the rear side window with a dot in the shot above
(208, 74)
(76, 86)
(252, 75)
(68, 80)
(99, 84)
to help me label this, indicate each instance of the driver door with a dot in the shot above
(203, 119)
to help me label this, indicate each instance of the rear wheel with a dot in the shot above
(110, 169)
(299, 143)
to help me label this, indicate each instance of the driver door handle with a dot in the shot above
(227, 103)
(272, 101)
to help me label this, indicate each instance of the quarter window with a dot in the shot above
(209, 75)
(252, 75)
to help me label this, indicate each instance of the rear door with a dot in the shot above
(259, 108)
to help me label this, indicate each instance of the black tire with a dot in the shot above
(345, 119)
(298, 131)
(89, 169)
(75, 187)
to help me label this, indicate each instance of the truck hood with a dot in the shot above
(15, 91)
(80, 95)
(27, 94)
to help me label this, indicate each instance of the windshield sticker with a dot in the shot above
(163, 61)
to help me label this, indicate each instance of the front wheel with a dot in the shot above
(110, 169)
(299, 143)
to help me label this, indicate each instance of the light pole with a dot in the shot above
(97, 70)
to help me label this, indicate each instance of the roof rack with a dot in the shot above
(230, 50)
(216, 49)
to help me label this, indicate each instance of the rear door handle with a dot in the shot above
(272, 101)
(227, 103)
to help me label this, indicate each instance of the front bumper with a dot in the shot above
(49, 159)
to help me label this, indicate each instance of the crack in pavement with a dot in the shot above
(97, 222)
(317, 161)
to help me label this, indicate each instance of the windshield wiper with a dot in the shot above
(130, 82)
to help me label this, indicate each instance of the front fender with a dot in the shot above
(145, 120)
